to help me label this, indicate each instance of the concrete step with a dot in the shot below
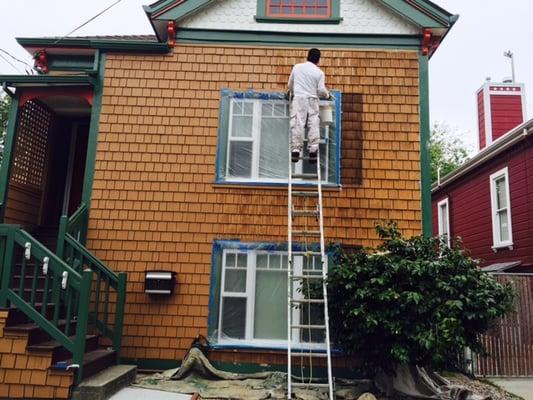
(105, 383)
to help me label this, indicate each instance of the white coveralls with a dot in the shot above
(307, 84)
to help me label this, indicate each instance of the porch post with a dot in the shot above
(9, 144)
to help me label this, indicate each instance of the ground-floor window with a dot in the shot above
(250, 294)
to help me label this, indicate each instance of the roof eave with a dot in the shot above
(101, 44)
(518, 134)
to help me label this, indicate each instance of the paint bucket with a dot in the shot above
(326, 114)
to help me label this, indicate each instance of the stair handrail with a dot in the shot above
(67, 286)
(71, 248)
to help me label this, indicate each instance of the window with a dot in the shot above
(444, 221)
(501, 209)
(299, 8)
(252, 307)
(310, 11)
(254, 141)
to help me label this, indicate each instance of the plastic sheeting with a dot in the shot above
(254, 139)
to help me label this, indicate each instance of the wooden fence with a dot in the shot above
(510, 342)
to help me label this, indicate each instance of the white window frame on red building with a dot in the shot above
(496, 210)
(441, 206)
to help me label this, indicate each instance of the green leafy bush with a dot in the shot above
(414, 301)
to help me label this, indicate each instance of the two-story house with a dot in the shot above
(170, 152)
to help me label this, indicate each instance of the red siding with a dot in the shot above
(470, 208)
(481, 119)
(506, 113)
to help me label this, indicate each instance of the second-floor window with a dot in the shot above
(501, 209)
(299, 8)
(254, 141)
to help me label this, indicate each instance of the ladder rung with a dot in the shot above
(313, 301)
(304, 176)
(306, 253)
(314, 355)
(303, 384)
(304, 213)
(308, 326)
(298, 277)
(305, 194)
(306, 233)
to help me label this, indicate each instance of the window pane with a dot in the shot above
(274, 148)
(262, 261)
(240, 159)
(444, 219)
(242, 126)
(504, 226)
(270, 319)
(233, 318)
(501, 193)
(235, 281)
(230, 260)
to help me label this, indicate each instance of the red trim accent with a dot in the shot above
(171, 29)
(426, 41)
(39, 93)
(41, 61)
(304, 8)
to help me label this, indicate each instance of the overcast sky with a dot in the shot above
(472, 51)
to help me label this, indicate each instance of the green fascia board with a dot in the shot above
(437, 11)
(183, 10)
(101, 44)
(158, 6)
(297, 39)
(46, 80)
(415, 16)
(67, 62)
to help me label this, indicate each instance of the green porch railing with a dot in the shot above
(108, 291)
(63, 310)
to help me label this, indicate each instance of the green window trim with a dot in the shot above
(334, 18)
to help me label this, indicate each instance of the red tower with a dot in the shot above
(501, 107)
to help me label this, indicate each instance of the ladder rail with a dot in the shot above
(291, 326)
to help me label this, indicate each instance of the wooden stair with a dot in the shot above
(32, 364)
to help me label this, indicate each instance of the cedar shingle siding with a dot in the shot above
(154, 203)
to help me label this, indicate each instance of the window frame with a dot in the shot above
(225, 137)
(220, 250)
(263, 16)
(497, 243)
(440, 204)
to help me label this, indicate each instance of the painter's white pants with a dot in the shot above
(305, 110)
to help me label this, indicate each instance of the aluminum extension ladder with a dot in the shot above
(299, 210)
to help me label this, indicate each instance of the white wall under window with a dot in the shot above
(253, 300)
(502, 232)
(444, 220)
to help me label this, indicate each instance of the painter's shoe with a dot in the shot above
(295, 156)
(313, 157)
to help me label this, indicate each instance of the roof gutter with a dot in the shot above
(520, 133)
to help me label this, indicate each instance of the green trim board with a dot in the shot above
(181, 10)
(93, 132)
(334, 18)
(46, 80)
(297, 39)
(9, 144)
(102, 44)
(425, 167)
(416, 16)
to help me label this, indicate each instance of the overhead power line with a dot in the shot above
(15, 58)
(88, 21)
(10, 63)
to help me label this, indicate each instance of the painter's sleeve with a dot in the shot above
(291, 82)
(322, 90)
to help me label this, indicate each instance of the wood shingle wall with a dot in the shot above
(154, 201)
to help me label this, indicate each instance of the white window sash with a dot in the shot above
(496, 212)
(444, 229)
(249, 294)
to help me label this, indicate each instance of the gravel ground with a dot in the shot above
(480, 387)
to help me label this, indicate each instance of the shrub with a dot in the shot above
(413, 301)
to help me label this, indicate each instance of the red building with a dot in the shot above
(488, 201)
